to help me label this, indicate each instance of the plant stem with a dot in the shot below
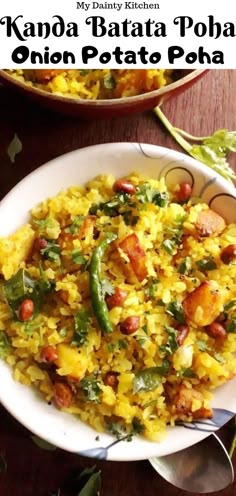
(181, 141)
(190, 136)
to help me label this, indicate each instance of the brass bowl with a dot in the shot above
(105, 108)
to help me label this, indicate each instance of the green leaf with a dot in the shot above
(188, 373)
(63, 332)
(175, 309)
(202, 345)
(22, 286)
(82, 321)
(137, 426)
(76, 224)
(78, 258)
(41, 443)
(129, 218)
(3, 464)
(4, 344)
(213, 150)
(109, 82)
(44, 224)
(14, 148)
(52, 251)
(171, 345)
(222, 139)
(231, 326)
(91, 388)
(116, 429)
(152, 288)
(206, 264)
(93, 486)
(150, 378)
(160, 199)
(185, 266)
(122, 345)
(219, 358)
(169, 246)
(228, 306)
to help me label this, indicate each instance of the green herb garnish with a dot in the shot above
(4, 344)
(185, 266)
(175, 309)
(171, 345)
(52, 251)
(75, 226)
(206, 264)
(150, 378)
(211, 150)
(91, 388)
(82, 322)
(78, 258)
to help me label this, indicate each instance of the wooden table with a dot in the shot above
(208, 106)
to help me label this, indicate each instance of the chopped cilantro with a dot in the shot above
(169, 246)
(91, 388)
(137, 426)
(206, 264)
(63, 332)
(110, 347)
(160, 199)
(129, 218)
(116, 429)
(4, 344)
(51, 251)
(122, 345)
(202, 345)
(185, 266)
(219, 358)
(231, 304)
(175, 309)
(82, 321)
(78, 258)
(43, 224)
(152, 288)
(75, 226)
(109, 82)
(186, 373)
(171, 345)
(231, 326)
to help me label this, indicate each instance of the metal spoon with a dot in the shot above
(203, 468)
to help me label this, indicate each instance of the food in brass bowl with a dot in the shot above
(100, 92)
(118, 300)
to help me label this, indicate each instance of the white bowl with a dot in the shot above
(25, 404)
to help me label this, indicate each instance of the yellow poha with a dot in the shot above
(118, 304)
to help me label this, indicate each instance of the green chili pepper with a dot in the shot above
(96, 290)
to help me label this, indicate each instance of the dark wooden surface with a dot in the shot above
(208, 106)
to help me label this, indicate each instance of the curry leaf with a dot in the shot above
(3, 464)
(150, 378)
(14, 148)
(41, 443)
